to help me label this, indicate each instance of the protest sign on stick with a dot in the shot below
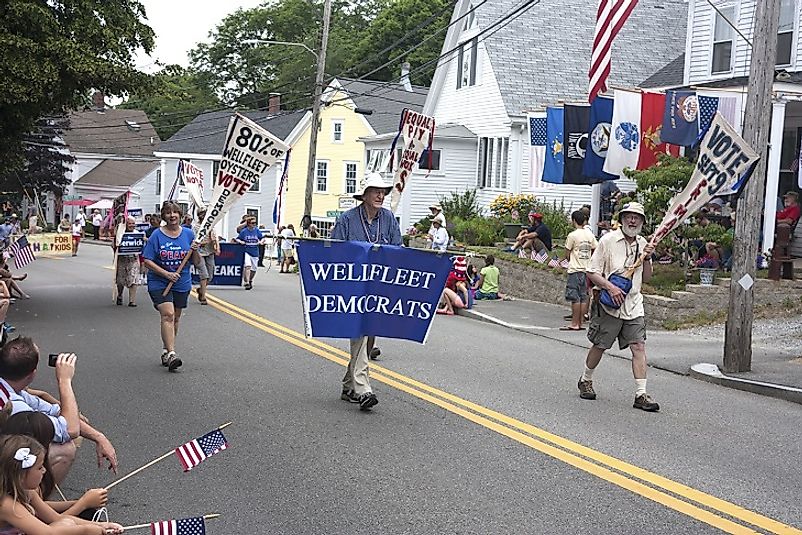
(352, 289)
(249, 152)
(417, 131)
(192, 177)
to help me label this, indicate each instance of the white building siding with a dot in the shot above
(144, 193)
(743, 53)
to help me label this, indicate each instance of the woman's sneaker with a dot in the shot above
(367, 400)
(164, 357)
(349, 396)
(173, 362)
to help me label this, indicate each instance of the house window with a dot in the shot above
(350, 177)
(337, 132)
(492, 164)
(321, 176)
(785, 33)
(324, 227)
(466, 63)
(158, 181)
(723, 38)
(423, 163)
(251, 211)
(256, 185)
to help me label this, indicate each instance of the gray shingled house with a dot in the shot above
(496, 69)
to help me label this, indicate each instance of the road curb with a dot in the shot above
(712, 374)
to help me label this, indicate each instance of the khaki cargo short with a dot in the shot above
(604, 329)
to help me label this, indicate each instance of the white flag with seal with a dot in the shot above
(418, 133)
(249, 152)
(724, 157)
(625, 133)
(192, 178)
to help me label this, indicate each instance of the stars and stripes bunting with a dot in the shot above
(185, 526)
(22, 252)
(610, 18)
(196, 451)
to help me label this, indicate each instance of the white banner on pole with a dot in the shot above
(249, 152)
(724, 157)
(192, 178)
(418, 133)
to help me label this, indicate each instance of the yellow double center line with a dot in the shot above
(694, 503)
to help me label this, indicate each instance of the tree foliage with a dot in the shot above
(46, 160)
(173, 97)
(53, 53)
(658, 184)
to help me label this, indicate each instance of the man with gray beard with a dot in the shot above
(618, 251)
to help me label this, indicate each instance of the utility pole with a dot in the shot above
(757, 122)
(321, 71)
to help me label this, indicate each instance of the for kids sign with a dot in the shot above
(353, 289)
(54, 244)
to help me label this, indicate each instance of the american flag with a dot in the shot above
(185, 526)
(537, 152)
(564, 263)
(541, 257)
(22, 252)
(196, 451)
(610, 18)
(554, 263)
(707, 109)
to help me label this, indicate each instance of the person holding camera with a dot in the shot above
(19, 359)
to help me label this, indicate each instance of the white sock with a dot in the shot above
(641, 389)
(587, 375)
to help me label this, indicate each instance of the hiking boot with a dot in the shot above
(367, 400)
(586, 389)
(375, 353)
(645, 402)
(349, 396)
(173, 362)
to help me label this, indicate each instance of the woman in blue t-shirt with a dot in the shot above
(250, 237)
(163, 253)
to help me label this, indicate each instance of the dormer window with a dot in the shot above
(133, 126)
(723, 38)
(785, 33)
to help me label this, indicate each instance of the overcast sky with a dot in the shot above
(181, 24)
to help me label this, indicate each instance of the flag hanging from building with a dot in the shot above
(577, 119)
(537, 149)
(22, 252)
(651, 121)
(610, 18)
(625, 135)
(601, 118)
(196, 451)
(184, 526)
(555, 150)
(710, 103)
(680, 118)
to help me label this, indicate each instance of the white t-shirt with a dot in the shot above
(97, 220)
(286, 244)
(76, 229)
(82, 218)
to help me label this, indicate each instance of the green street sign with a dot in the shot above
(333, 213)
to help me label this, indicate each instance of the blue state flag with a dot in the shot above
(680, 118)
(353, 289)
(555, 146)
(599, 128)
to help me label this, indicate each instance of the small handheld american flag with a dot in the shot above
(554, 263)
(196, 451)
(541, 257)
(22, 252)
(185, 526)
(564, 263)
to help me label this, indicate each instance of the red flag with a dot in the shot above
(610, 18)
(651, 123)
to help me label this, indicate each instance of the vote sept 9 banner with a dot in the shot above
(353, 289)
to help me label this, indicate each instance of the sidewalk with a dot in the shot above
(776, 346)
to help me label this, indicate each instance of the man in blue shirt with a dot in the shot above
(250, 237)
(5, 232)
(369, 222)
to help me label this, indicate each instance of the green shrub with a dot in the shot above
(475, 230)
(463, 205)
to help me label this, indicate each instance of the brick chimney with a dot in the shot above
(274, 103)
(99, 100)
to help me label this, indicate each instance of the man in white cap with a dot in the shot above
(618, 251)
(368, 222)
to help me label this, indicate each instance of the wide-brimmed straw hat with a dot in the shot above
(436, 206)
(633, 208)
(372, 180)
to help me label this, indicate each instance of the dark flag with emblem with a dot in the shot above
(601, 119)
(577, 119)
(22, 252)
(555, 149)
(680, 118)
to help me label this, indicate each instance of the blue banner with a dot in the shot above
(353, 289)
(142, 227)
(555, 150)
(680, 118)
(227, 266)
(599, 128)
(131, 243)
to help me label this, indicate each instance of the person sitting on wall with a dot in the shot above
(537, 237)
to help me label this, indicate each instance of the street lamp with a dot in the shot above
(321, 65)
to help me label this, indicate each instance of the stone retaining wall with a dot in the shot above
(548, 285)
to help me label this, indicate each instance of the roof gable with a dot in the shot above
(118, 173)
(386, 101)
(111, 131)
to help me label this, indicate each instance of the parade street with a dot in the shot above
(480, 430)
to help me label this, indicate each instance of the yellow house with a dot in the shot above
(340, 160)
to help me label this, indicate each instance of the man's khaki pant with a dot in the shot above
(356, 376)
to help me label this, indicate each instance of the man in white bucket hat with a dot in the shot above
(369, 222)
(618, 251)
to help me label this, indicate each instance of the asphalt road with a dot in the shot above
(480, 430)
